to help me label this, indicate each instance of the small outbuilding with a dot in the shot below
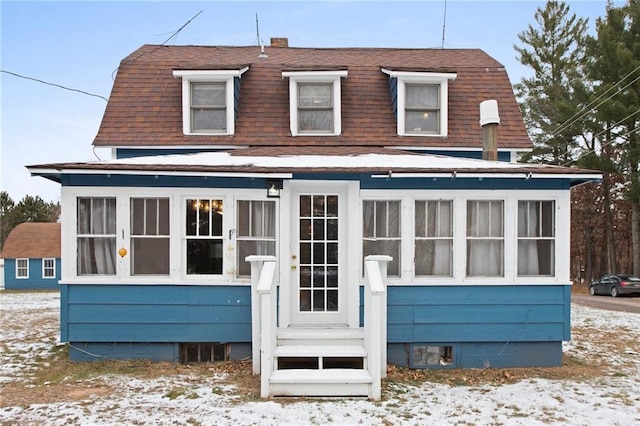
(31, 256)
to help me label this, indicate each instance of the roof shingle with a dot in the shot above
(33, 240)
(145, 106)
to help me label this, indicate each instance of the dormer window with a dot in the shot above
(209, 101)
(315, 102)
(420, 100)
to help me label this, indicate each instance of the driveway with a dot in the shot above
(622, 304)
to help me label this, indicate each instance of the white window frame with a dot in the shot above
(510, 199)
(177, 241)
(327, 77)
(51, 269)
(22, 268)
(422, 78)
(210, 76)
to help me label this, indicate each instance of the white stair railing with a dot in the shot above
(263, 317)
(375, 319)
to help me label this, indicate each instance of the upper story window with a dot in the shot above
(420, 100)
(209, 101)
(315, 102)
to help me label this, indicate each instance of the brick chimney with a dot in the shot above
(279, 42)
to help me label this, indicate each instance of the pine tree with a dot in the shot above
(555, 52)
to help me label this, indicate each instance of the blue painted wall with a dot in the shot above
(497, 326)
(35, 280)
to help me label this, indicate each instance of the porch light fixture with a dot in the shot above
(273, 188)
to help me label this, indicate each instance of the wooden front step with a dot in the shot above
(333, 382)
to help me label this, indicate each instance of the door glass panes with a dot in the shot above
(318, 273)
(203, 229)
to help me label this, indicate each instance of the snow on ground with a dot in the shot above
(612, 398)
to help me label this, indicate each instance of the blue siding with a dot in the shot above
(35, 281)
(518, 313)
(497, 326)
(158, 314)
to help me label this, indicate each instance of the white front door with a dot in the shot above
(319, 258)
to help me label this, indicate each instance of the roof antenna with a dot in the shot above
(444, 23)
(262, 55)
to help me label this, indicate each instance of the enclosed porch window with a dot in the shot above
(381, 232)
(256, 222)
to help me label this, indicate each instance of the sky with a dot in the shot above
(79, 44)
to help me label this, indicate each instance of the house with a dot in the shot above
(31, 256)
(322, 211)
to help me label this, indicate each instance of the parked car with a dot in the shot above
(615, 285)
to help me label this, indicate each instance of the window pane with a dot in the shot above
(315, 120)
(434, 257)
(484, 258)
(536, 257)
(422, 96)
(305, 206)
(208, 94)
(208, 119)
(484, 219)
(204, 256)
(314, 95)
(332, 206)
(385, 247)
(422, 121)
(248, 248)
(149, 256)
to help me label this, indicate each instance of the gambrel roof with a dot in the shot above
(33, 240)
(145, 105)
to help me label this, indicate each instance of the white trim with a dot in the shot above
(44, 276)
(177, 239)
(481, 176)
(332, 77)
(18, 268)
(459, 198)
(431, 78)
(160, 172)
(209, 76)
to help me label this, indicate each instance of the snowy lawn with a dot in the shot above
(598, 385)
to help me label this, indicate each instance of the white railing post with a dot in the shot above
(257, 263)
(375, 319)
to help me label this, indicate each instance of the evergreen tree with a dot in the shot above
(555, 52)
(615, 72)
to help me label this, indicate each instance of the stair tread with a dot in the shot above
(314, 333)
(320, 350)
(338, 375)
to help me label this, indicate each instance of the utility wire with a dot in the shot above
(55, 85)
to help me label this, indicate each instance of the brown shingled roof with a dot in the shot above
(32, 240)
(145, 106)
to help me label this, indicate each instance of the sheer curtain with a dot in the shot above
(485, 244)
(528, 263)
(96, 230)
(434, 238)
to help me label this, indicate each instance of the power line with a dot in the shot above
(71, 89)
